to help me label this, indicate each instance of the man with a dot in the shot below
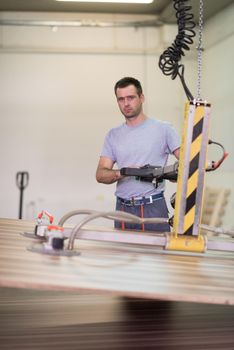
(137, 142)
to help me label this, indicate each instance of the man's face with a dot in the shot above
(130, 103)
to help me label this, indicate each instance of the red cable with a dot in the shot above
(142, 216)
(122, 223)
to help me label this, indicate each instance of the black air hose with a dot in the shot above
(169, 60)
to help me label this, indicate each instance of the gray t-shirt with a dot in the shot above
(150, 142)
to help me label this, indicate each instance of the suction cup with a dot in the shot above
(42, 249)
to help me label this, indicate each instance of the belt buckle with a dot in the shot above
(150, 199)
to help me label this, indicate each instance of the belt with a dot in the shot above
(141, 200)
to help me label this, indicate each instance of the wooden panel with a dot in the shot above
(50, 320)
(117, 269)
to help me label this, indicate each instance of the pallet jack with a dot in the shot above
(189, 173)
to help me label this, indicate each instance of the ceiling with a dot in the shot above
(161, 8)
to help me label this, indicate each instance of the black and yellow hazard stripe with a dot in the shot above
(192, 182)
(191, 169)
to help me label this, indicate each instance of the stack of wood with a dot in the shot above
(214, 206)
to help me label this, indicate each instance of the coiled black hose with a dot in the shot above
(169, 60)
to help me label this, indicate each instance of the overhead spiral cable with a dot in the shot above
(200, 50)
(170, 58)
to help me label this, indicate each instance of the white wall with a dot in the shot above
(218, 77)
(57, 103)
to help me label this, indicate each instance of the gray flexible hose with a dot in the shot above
(218, 230)
(73, 213)
(114, 215)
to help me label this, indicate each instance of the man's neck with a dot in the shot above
(136, 120)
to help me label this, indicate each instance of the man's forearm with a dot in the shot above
(107, 176)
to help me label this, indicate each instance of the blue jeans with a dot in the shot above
(156, 209)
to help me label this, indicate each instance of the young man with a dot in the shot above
(135, 143)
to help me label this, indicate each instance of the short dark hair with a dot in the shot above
(126, 81)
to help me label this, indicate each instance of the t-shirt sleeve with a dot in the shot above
(107, 148)
(173, 139)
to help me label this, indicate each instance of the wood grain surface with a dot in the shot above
(116, 269)
(52, 320)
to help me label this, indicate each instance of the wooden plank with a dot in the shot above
(215, 203)
(117, 269)
(50, 320)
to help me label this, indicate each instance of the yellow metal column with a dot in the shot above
(191, 172)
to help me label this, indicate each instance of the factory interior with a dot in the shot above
(59, 62)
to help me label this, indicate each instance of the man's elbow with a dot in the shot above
(98, 177)
(99, 180)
